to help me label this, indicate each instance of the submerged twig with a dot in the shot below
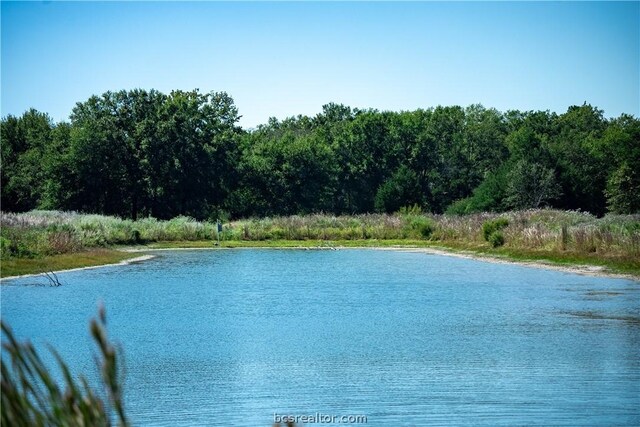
(53, 279)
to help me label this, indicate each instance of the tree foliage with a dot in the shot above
(531, 185)
(401, 189)
(145, 153)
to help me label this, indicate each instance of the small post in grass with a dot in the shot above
(219, 231)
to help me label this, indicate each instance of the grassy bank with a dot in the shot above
(17, 266)
(38, 237)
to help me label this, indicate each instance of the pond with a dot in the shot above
(232, 337)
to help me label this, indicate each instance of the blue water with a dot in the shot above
(230, 337)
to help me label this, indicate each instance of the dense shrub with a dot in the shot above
(487, 197)
(423, 226)
(496, 239)
(460, 207)
(491, 231)
(490, 227)
(5, 247)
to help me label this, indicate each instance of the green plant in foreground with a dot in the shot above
(31, 396)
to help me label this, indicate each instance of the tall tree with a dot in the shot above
(531, 185)
(621, 148)
(136, 153)
(401, 189)
(24, 142)
(582, 174)
(144, 152)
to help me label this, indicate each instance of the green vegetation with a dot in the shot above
(491, 226)
(139, 155)
(13, 266)
(147, 154)
(31, 396)
(38, 233)
(129, 157)
(491, 231)
(496, 239)
(557, 236)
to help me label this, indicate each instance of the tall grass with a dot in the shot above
(32, 397)
(38, 233)
(530, 229)
(50, 232)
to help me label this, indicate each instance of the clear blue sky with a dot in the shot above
(283, 59)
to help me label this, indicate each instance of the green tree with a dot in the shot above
(136, 153)
(365, 152)
(59, 172)
(143, 152)
(620, 146)
(531, 185)
(197, 142)
(98, 155)
(623, 190)
(24, 142)
(286, 168)
(489, 196)
(581, 171)
(448, 180)
(402, 189)
(485, 150)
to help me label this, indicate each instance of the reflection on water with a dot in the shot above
(230, 337)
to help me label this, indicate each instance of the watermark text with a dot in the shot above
(319, 418)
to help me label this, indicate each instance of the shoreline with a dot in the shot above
(113, 264)
(581, 269)
(584, 270)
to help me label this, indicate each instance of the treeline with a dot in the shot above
(144, 153)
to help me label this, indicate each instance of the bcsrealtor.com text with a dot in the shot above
(319, 418)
